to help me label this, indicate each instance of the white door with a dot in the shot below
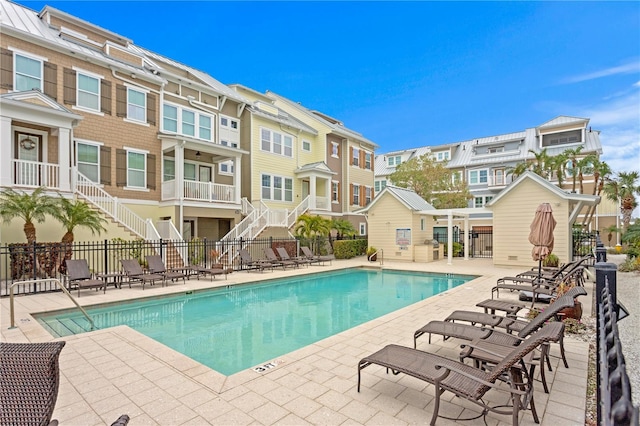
(27, 170)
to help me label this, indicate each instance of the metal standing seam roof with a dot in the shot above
(287, 120)
(335, 127)
(409, 197)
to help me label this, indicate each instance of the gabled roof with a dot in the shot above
(335, 125)
(318, 167)
(35, 100)
(382, 167)
(562, 120)
(587, 199)
(284, 119)
(407, 197)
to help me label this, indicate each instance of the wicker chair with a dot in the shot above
(29, 380)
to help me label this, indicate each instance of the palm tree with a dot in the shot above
(343, 227)
(542, 162)
(78, 214)
(610, 230)
(28, 207)
(585, 166)
(623, 189)
(601, 172)
(311, 227)
(558, 164)
(518, 169)
(572, 155)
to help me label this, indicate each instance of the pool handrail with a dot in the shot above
(62, 287)
(372, 256)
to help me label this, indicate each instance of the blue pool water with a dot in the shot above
(238, 327)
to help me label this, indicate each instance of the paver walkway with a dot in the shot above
(115, 371)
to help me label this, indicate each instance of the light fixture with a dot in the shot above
(198, 154)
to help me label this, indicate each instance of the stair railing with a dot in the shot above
(110, 205)
(168, 231)
(297, 212)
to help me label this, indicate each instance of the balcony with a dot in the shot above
(200, 191)
(320, 203)
(499, 181)
(32, 174)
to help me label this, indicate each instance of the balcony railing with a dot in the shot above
(200, 191)
(500, 180)
(34, 174)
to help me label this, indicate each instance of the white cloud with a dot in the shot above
(631, 67)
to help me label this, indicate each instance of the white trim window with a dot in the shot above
(362, 228)
(335, 152)
(442, 156)
(28, 72)
(168, 169)
(306, 146)
(136, 169)
(394, 160)
(183, 121)
(355, 158)
(88, 160)
(456, 177)
(477, 177)
(204, 127)
(356, 195)
(188, 123)
(226, 167)
(380, 185)
(367, 160)
(335, 191)
(169, 118)
(276, 143)
(367, 195)
(482, 201)
(88, 90)
(276, 188)
(229, 131)
(136, 105)
(190, 171)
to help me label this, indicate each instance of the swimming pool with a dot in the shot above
(237, 327)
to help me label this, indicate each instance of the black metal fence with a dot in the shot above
(583, 243)
(615, 406)
(25, 262)
(480, 242)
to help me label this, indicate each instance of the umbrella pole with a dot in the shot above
(539, 282)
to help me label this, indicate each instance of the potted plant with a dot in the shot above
(372, 254)
(574, 312)
(551, 261)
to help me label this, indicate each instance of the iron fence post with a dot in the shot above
(608, 272)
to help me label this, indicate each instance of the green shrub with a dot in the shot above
(457, 249)
(551, 260)
(348, 249)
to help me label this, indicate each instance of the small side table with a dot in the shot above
(114, 278)
(493, 305)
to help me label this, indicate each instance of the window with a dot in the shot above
(136, 169)
(394, 161)
(334, 150)
(422, 224)
(367, 195)
(456, 177)
(477, 177)
(204, 129)
(169, 169)
(188, 123)
(136, 105)
(496, 149)
(367, 160)
(380, 185)
(189, 171)
(443, 156)
(499, 177)
(88, 92)
(335, 192)
(355, 159)
(482, 201)
(275, 142)
(377, 185)
(277, 188)
(226, 167)
(306, 146)
(363, 228)
(229, 131)
(28, 73)
(569, 137)
(88, 160)
(227, 143)
(356, 195)
(170, 118)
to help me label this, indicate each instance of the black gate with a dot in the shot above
(480, 241)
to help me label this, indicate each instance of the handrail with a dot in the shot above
(62, 287)
(381, 251)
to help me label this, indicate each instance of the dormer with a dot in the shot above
(121, 54)
(441, 155)
(328, 118)
(268, 108)
(393, 160)
(562, 131)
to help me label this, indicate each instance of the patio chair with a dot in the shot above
(271, 257)
(79, 274)
(29, 381)
(215, 270)
(534, 286)
(284, 256)
(246, 261)
(465, 381)
(554, 273)
(134, 272)
(306, 251)
(156, 266)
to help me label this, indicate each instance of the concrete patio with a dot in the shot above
(117, 371)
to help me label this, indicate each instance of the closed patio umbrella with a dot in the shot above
(541, 234)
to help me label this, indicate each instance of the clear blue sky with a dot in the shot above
(408, 74)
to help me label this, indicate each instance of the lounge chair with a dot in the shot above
(79, 274)
(306, 251)
(534, 286)
(213, 271)
(29, 381)
(284, 256)
(134, 272)
(246, 261)
(510, 323)
(465, 381)
(271, 257)
(550, 274)
(156, 266)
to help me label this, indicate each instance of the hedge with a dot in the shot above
(347, 249)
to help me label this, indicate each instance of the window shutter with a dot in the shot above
(362, 195)
(6, 69)
(105, 165)
(51, 80)
(373, 160)
(350, 155)
(351, 193)
(121, 167)
(362, 159)
(151, 171)
(373, 194)
(105, 96)
(339, 192)
(121, 100)
(69, 84)
(151, 109)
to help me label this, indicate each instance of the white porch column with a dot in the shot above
(466, 236)
(328, 192)
(5, 151)
(64, 159)
(449, 237)
(179, 184)
(312, 192)
(237, 173)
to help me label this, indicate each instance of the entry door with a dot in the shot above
(188, 229)
(29, 152)
(205, 173)
(305, 189)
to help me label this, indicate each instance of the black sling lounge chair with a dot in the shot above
(156, 266)
(134, 272)
(465, 381)
(79, 274)
(284, 256)
(246, 261)
(306, 251)
(271, 257)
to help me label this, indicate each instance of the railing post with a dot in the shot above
(115, 208)
(106, 256)
(601, 251)
(608, 272)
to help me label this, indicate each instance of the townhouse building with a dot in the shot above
(162, 149)
(484, 163)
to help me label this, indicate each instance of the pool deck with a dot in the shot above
(117, 371)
